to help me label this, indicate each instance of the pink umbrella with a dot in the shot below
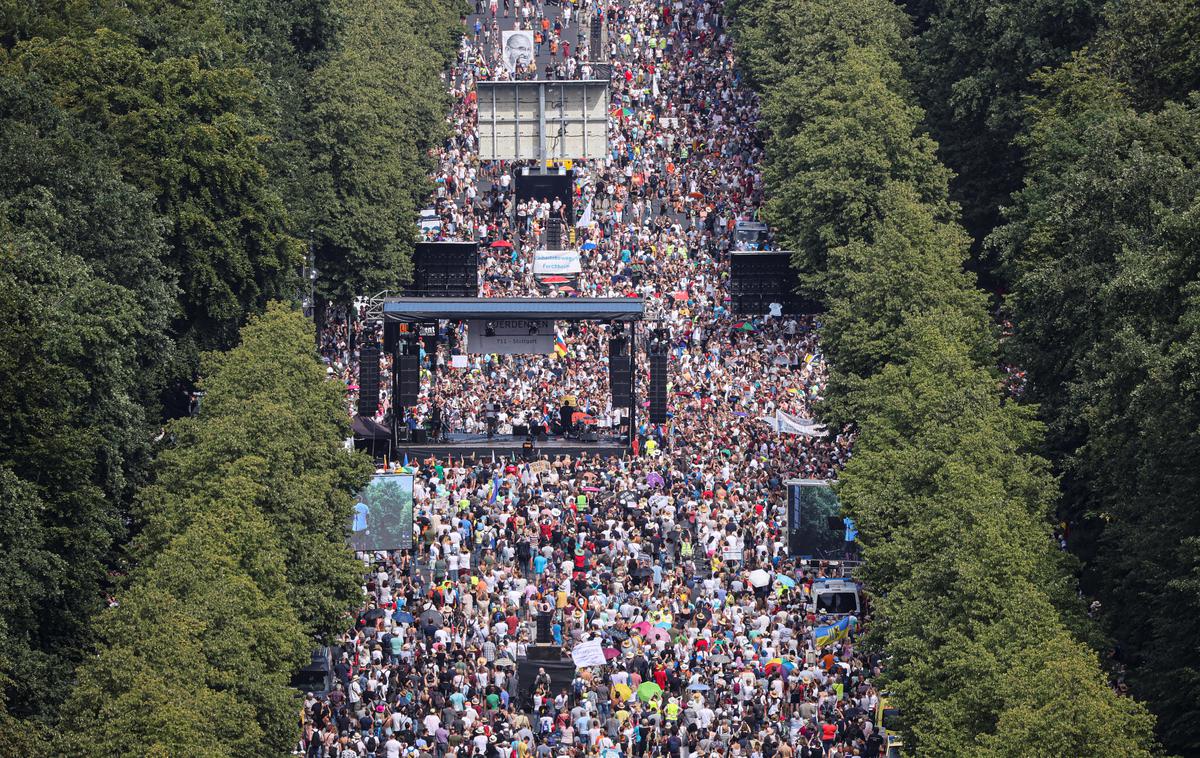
(655, 634)
(610, 653)
(642, 627)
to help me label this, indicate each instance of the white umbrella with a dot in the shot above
(760, 578)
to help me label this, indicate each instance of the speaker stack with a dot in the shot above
(368, 378)
(658, 388)
(620, 373)
(408, 380)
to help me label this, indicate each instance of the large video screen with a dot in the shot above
(383, 514)
(814, 520)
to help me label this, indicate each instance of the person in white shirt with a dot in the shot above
(392, 747)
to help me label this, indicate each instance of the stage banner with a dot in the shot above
(590, 653)
(383, 514)
(814, 523)
(560, 262)
(511, 337)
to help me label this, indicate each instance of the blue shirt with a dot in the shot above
(539, 563)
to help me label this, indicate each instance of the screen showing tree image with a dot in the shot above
(383, 514)
(815, 527)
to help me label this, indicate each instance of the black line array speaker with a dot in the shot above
(408, 380)
(620, 375)
(445, 269)
(658, 388)
(368, 378)
(757, 279)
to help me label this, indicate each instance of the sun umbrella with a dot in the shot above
(589, 245)
(654, 479)
(503, 662)
(610, 653)
(760, 578)
(773, 665)
(431, 616)
(655, 634)
(555, 279)
(663, 625)
(642, 627)
(622, 691)
(501, 243)
(786, 581)
(647, 691)
(719, 658)
(404, 617)
(698, 687)
(681, 296)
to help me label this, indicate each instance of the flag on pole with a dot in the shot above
(586, 218)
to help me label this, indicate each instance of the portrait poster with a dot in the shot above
(517, 49)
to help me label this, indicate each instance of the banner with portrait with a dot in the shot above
(517, 49)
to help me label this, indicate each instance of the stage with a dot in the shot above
(506, 446)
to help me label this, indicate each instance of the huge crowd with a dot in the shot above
(674, 559)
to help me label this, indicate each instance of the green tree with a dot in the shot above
(1101, 243)
(832, 146)
(182, 131)
(971, 71)
(270, 414)
(376, 110)
(242, 557)
(974, 604)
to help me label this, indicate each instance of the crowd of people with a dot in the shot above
(674, 560)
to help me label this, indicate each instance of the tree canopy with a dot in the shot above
(974, 602)
(157, 193)
(242, 560)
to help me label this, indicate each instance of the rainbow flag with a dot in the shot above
(560, 346)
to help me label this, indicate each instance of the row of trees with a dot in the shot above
(1100, 245)
(973, 601)
(166, 165)
(240, 561)
(1071, 127)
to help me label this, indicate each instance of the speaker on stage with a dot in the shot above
(658, 388)
(588, 436)
(368, 378)
(620, 374)
(420, 436)
(520, 430)
(408, 380)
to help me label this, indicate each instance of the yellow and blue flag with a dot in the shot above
(827, 635)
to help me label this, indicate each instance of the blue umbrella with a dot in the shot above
(589, 245)
(698, 687)
(403, 617)
(786, 581)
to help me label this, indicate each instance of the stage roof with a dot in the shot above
(494, 308)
